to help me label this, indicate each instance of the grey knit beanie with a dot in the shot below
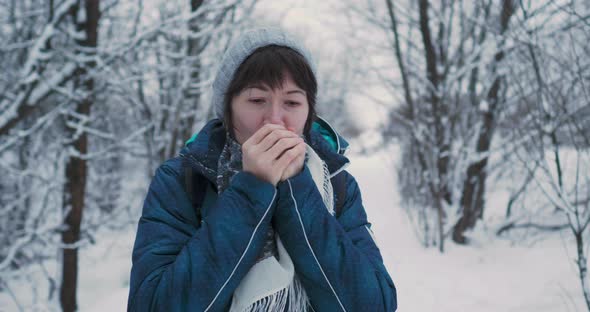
(241, 48)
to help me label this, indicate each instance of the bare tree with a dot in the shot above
(473, 194)
(452, 95)
(552, 85)
(176, 59)
(76, 169)
(78, 96)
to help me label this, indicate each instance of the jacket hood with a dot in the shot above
(201, 152)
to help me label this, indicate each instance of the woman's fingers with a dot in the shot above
(283, 162)
(273, 138)
(261, 133)
(270, 150)
(294, 167)
(282, 145)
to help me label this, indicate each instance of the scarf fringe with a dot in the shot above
(294, 295)
(321, 177)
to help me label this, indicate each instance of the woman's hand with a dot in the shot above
(295, 166)
(270, 151)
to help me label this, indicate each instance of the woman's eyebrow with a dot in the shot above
(267, 89)
(296, 91)
(259, 86)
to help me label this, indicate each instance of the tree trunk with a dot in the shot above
(441, 224)
(195, 47)
(400, 61)
(440, 190)
(472, 200)
(76, 167)
(582, 267)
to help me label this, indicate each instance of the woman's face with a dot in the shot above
(258, 105)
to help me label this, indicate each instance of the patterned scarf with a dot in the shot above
(281, 288)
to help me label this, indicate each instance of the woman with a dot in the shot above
(250, 216)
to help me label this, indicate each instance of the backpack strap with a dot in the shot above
(339, 187)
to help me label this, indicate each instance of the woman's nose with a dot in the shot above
(274, 114)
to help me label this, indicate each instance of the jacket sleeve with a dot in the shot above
(181, 266)
(337, 260)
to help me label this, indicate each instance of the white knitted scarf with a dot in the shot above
(272, 283)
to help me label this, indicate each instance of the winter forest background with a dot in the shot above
(469, 123)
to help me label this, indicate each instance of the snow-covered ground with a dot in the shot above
(492, 275)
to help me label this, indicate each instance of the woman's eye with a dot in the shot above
(292, 104)
(257, 101)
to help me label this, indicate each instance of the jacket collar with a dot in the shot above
(202, 151)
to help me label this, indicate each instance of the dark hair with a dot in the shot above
(268, 65)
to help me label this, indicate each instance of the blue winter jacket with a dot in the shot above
(180, 264)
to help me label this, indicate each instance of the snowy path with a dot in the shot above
(496, 277)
